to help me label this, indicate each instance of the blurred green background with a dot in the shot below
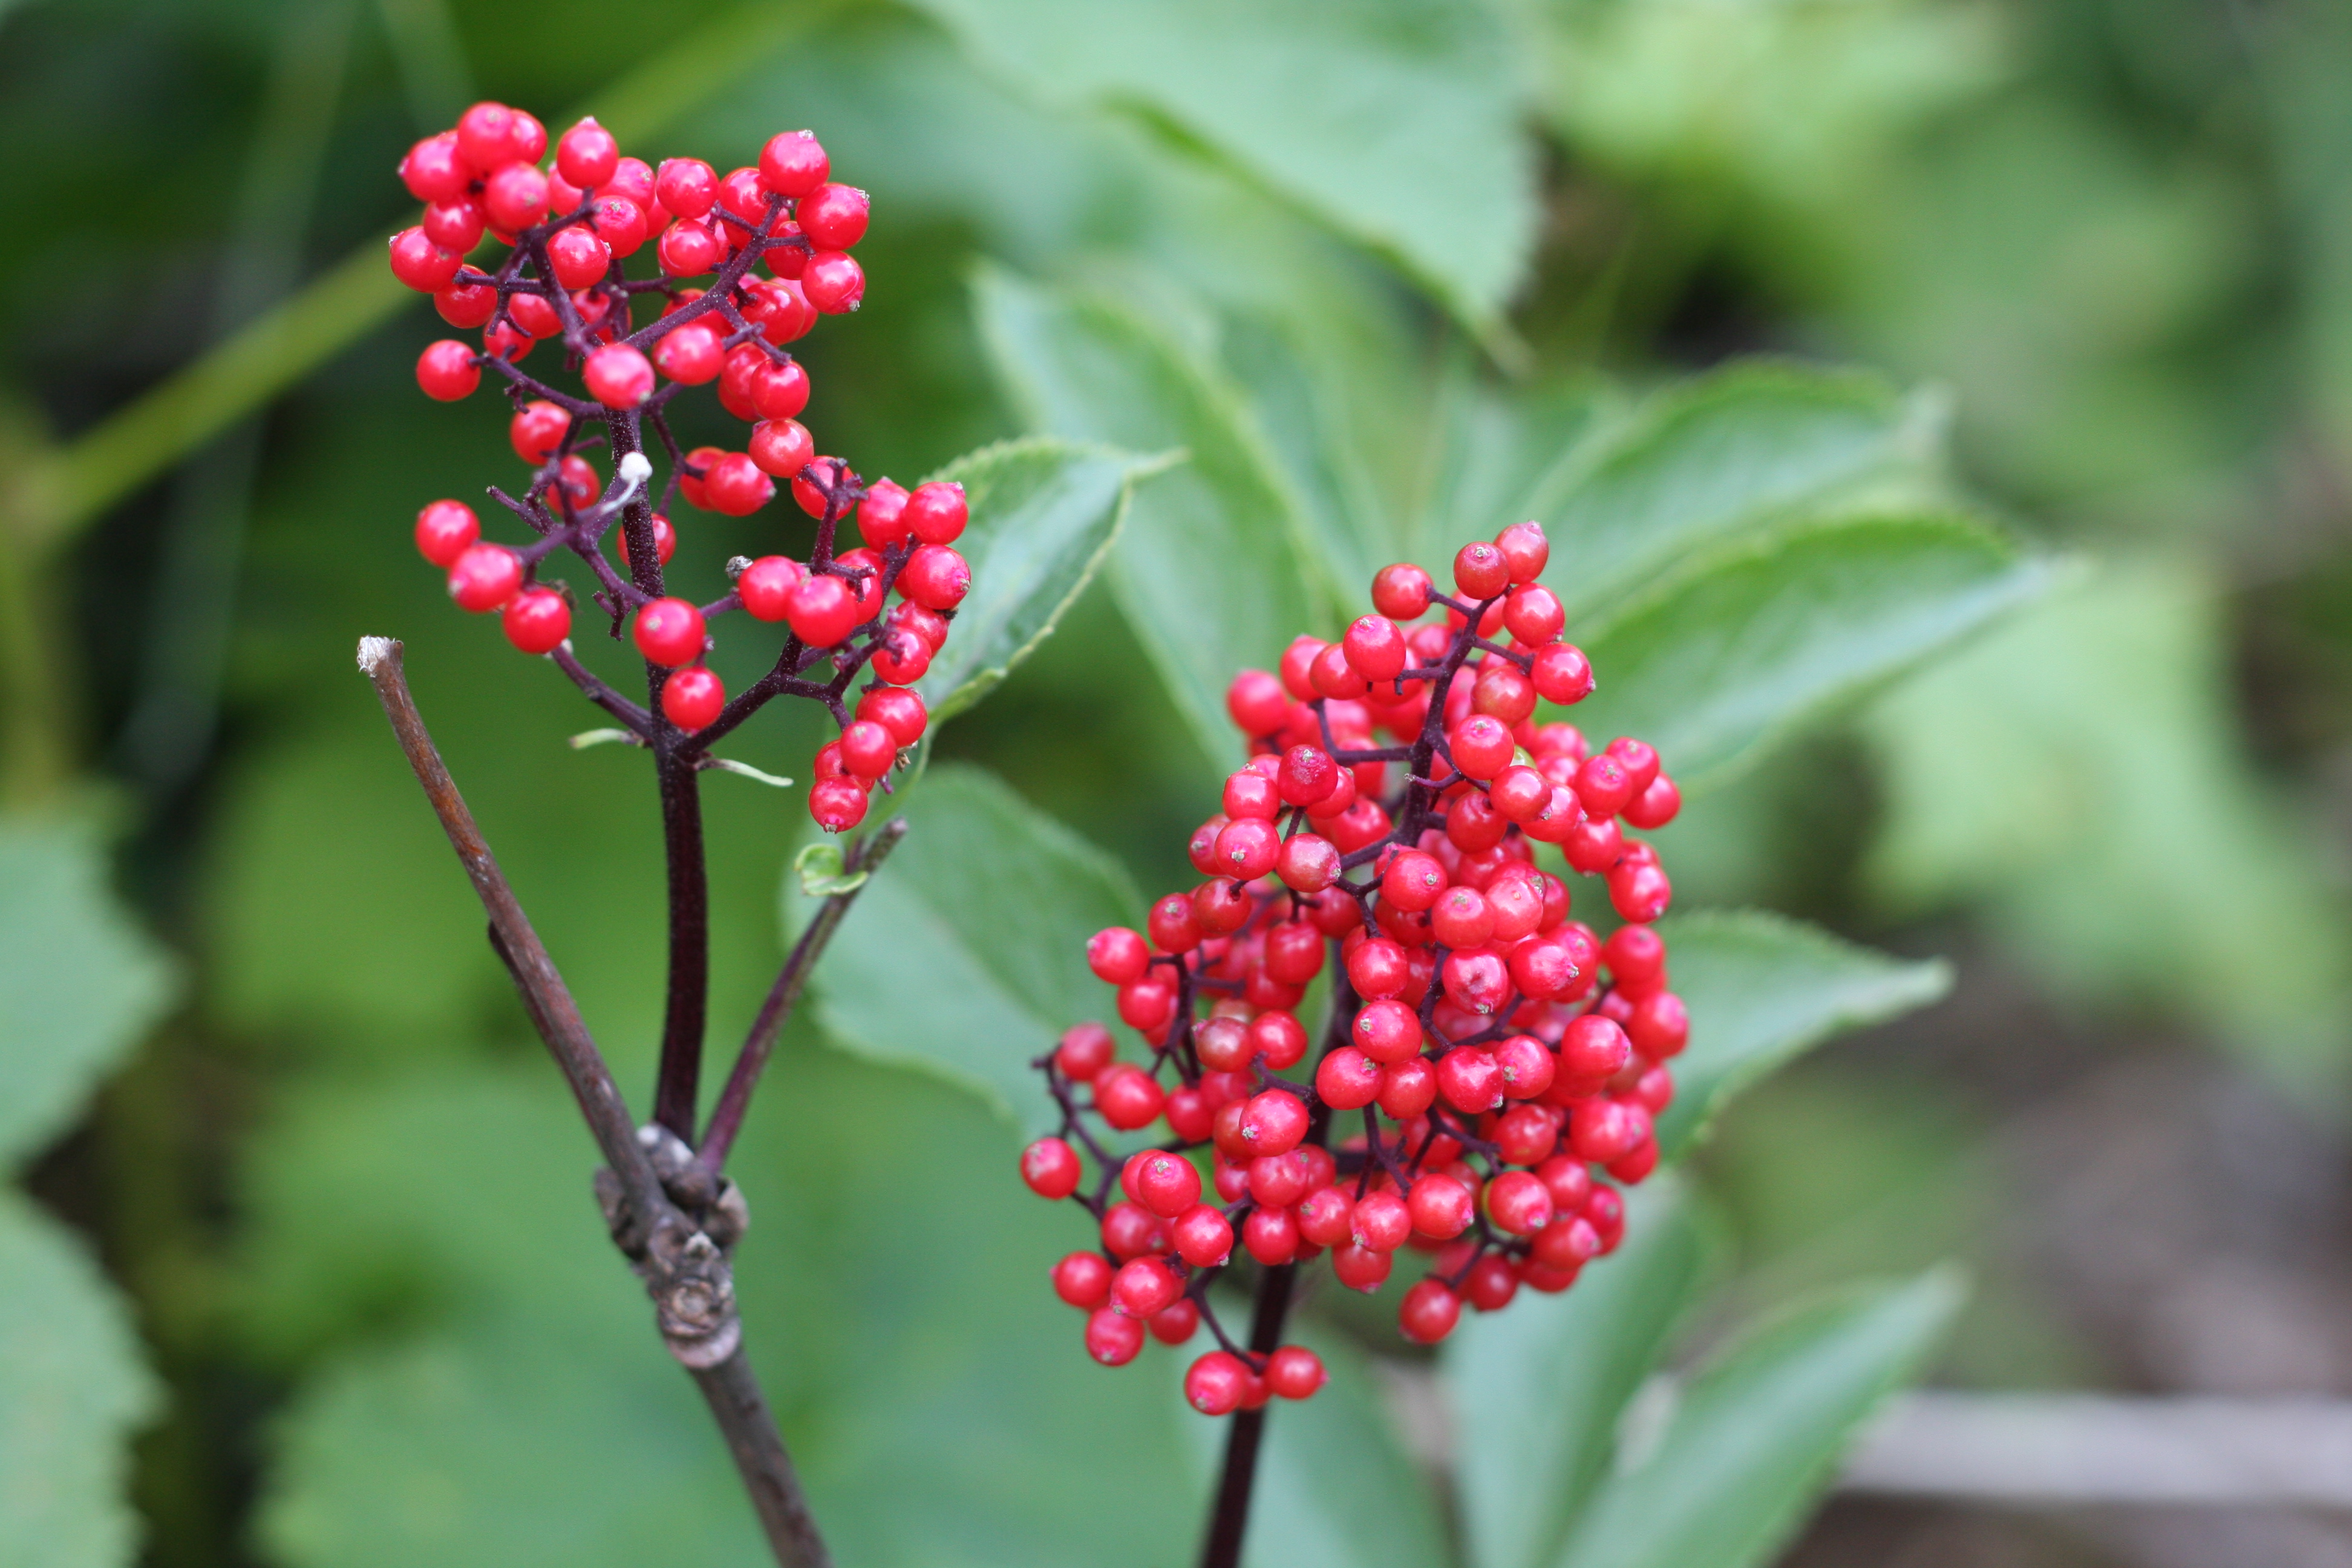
(2104, 248)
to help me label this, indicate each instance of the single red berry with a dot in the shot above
(618, 376)
(670, 632)
(1562, 674)
(782, 447)
(935, 513)
(1526, 549)
(537, 429)
(1660, 1027)
(1347, 1080)
(579, 256)
(792, 164)
(838, 805)
(1655, 807)
(1491, 1283)
(1481, 570)
(822, 610)
(1601, 1130)
(1082, 1279)
(1440, 1207)
(445, 371)
(690, 352)
(767, 585)
(736, 487)
(1203, 1237)
(435, 170)
(834, 282)
(1144, 1286)
(1519, 1202)
(1216, 1382)
(1526, 1067)
(741, 197)
(1113, 1337)
(486, 135)
(1469, 1079)
(514, 198)
(1084, 1051)
(1375, 648)
(1274, 1121)
(1175, 1323)
(420, 263)
(934, 577)
(1593, 1048)
(1307, 863)
(466, 304)
(535, 315)
(867, 749)
(1271, 1236)
(454, 224)
(1428, 1312)
(1128, 1098)
(537, 620)
(833, 217)
(577, 480)
(1293, 953)
(687, 187)
(1413, 881)
(1481, 746)
(1410, 1088)
(484, 577)
(1117, 955)
(587, 156)
(1402, 591)
(1294, 1372)
(1360, 1269)
(882, 514)
(1256, 702)
(1568, 1242)
(1639, 890)
(444, 529)
(1502, 692)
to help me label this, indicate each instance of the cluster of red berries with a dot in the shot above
(568, 228)
(1506, 1061)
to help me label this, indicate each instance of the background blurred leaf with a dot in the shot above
(990, 903)
(1209, 569)
(1338, 106)
(79, 986)
(2049, 774)
(1538, 1389)
(1763, 988)
(1757, 1435)
(1043, 515)
(1743, 645)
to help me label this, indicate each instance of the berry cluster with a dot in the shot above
(1497, 1051)
(568, 228)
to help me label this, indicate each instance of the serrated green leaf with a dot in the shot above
(1721, 456)
(990, 903)
(1761, 989)
(1538, 1389)
(1337, 105)
(72, 1389)
(1209, 568)
(1757, 1435)
(819, 865)
(1045, 514)
(78, 983)
(1335, 1486)
(1741, 647)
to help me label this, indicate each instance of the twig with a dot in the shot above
(1230, 1521)
(727, 1119)
(685, 1271)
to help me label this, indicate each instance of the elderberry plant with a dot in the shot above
(568, 231)
(1496, 1050)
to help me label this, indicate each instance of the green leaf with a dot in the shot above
(2047, 772)
(1337, 105)
(73, 1389)
(1335, 1487)
(1742, 646)
(1045, 514)
(990, 904)
(1719, 457)
(819, 865)
(78, 983)
(1757, 1435)
(1210, 570)
(1538, 1389)
(1761, 989)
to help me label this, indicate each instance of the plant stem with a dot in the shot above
(689, 939)
(727, 1119)
(1230, 1520)
(750, 1429)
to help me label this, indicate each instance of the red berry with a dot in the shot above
(466, 304)
(934, 577)
(781, 447)
(1660, 1027)
(837, 804)
(1440, 1207)
(1203, 1237)
(1172, 1325)
(664, 541)
(1294, 1372)
(1526, 549)
(1360, 1269)
(670, 632)
(1655, 805)
(1562, 674)
(1256, 702)
(882, 514)
(536, 430)
(1307, 863)
(420, 263)
(1413, 881)
(1519, 1202)
(455, 225)
(1117, 955)
(444, 529)
(736, 487)
(867, 749)
(687, 187)
(935, 513)
(445, 371)
(1113, 1337)
(1469, 1079)
(1347, 1080)
(1274, 1121)
(1481, 570)
(1084, 1050)
(766, 586)
(834, 282)
(435, 170)
(587, 156)
(821, 611)
(618, 376)
(1144, 1286)
(1271, 1236)
(692, 697)
(1410, 1088)
(1402, 591)
(688, 248)
(1216, 1384)
(514, 198)
(1051, 1167)
(1481, 746)
(833, 217)
(1639, 890)
(792, 164)
(484, 577)
(1386, 1031)
(1128, 1098)
(1428, 1312)
(1375, 648)
(1082, 1279)
(537, 620)
(579, 256)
